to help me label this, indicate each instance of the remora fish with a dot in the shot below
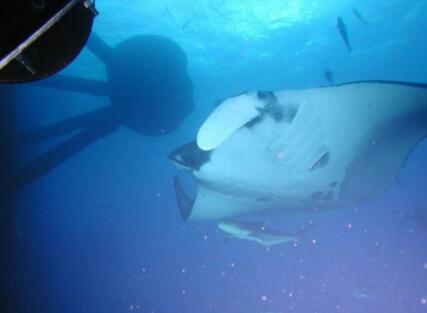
(259, 233)
(342, 29)
(360, 17)
(301, 152)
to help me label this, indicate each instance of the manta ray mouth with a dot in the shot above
(190, 156)
(185, 201)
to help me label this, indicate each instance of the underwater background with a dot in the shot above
(102, 231)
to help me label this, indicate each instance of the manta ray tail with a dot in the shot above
(185, 201)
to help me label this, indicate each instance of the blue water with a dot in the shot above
(102, 231)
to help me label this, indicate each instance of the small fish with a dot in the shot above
(329, 77)
(360, 17)
(169, 13)
(259, 233)
(343, 32)
(187, 23)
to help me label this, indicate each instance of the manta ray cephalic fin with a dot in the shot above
(185, 201)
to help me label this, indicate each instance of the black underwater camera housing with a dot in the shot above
(38, 38)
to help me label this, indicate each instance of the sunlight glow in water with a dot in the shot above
(253, 18)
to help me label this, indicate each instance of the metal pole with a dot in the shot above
(53, 20)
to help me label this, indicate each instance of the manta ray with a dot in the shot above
(301, 152)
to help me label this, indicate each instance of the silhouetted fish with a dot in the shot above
(187, 23)
(329, 77)
(360, 17)
(259, 233)
(169, 13)
(343, 32)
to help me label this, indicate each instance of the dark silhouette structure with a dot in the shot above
(149, 89)
(150, 92)
(148, 86)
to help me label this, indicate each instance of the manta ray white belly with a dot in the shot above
(303, 151)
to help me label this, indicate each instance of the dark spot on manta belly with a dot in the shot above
(273, 109)
(322, 196)
(276, 112)
(266, 96)
(317, 195)
(263, 199)
(321, 162)
(333, 184)
(254, 121)
(290, 112)
(329, 196)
